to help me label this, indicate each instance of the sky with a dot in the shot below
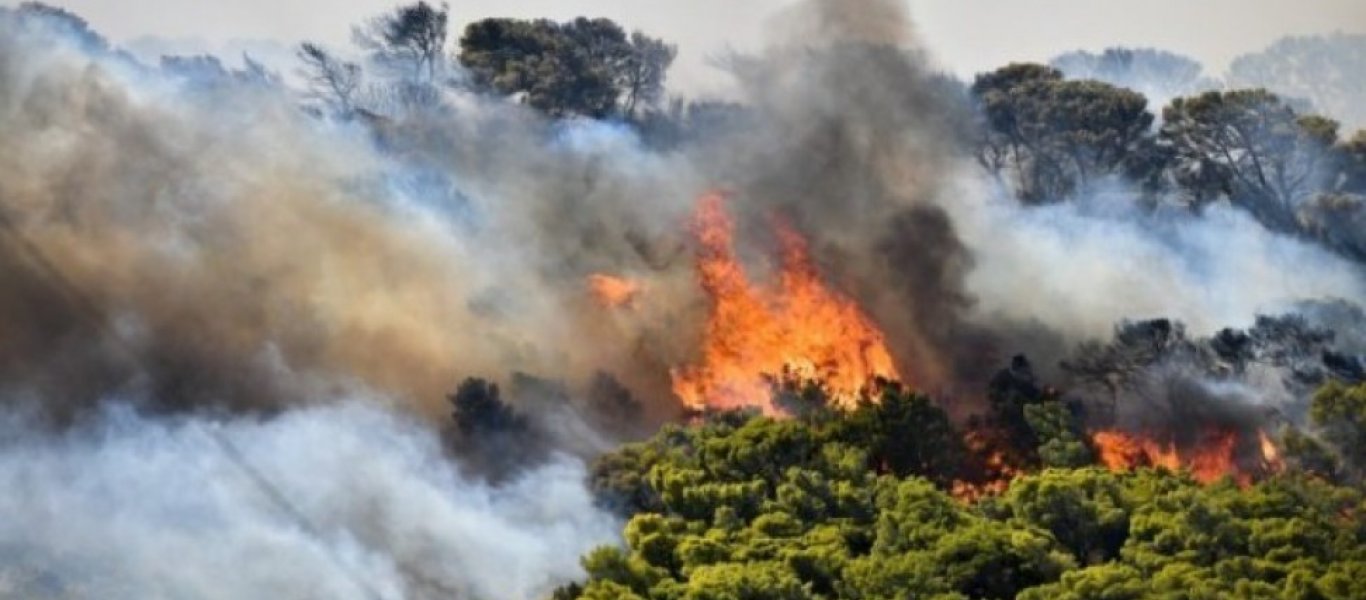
(965, 36)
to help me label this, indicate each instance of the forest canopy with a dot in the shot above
(862, 505)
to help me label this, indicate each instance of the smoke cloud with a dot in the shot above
(343, 501)
(209, 245)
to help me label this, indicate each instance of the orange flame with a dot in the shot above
(1121, 451)
(1209, 460)
(1212, 459)
(801, 329)
(1271, 455)
(997, 470)
(613, 292)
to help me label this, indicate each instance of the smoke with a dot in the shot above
(1083, 266)
(864, 145)
(850, 139)
(204, 244)
(1324, 71)
(344, 501)
(200, 243)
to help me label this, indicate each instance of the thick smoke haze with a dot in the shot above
(223, 248)
(345, 501)
(1081, 267)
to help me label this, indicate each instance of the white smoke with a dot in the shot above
(132, 508)
(1082, 266)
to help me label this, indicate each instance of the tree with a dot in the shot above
(906, 434)
(642, 76)
(331, 81)
(582, 67)
(1085, 509)
(411, 40)
(1337, 218)
(534, 61)
(744, 506)
(1053, 137)
(488, 434)
(1252, 147)
(1340, 412)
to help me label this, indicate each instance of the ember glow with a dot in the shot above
(797, 329)
(613, 292)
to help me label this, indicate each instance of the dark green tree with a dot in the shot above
(1252, 147)
(1340, 412)
(582, 67)
(1049, 137)
(641, 78)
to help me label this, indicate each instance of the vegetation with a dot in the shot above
(857, 505)
(1054, 136)
(586, 66)
(1141, 119)
(1050, 139)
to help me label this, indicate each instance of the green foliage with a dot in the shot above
(1052, 137)
(582, 67)
(1340, 412)
(1251, 146)
(834, 505)
(1061, 443)
(1086, 510)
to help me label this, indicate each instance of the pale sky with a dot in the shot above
(965, 36)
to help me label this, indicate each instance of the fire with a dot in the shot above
(613, 292)
(1121, 451)
(997, 470)
(1213, 459)
(1271, 455)
(798, 328)
(1210, 459)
